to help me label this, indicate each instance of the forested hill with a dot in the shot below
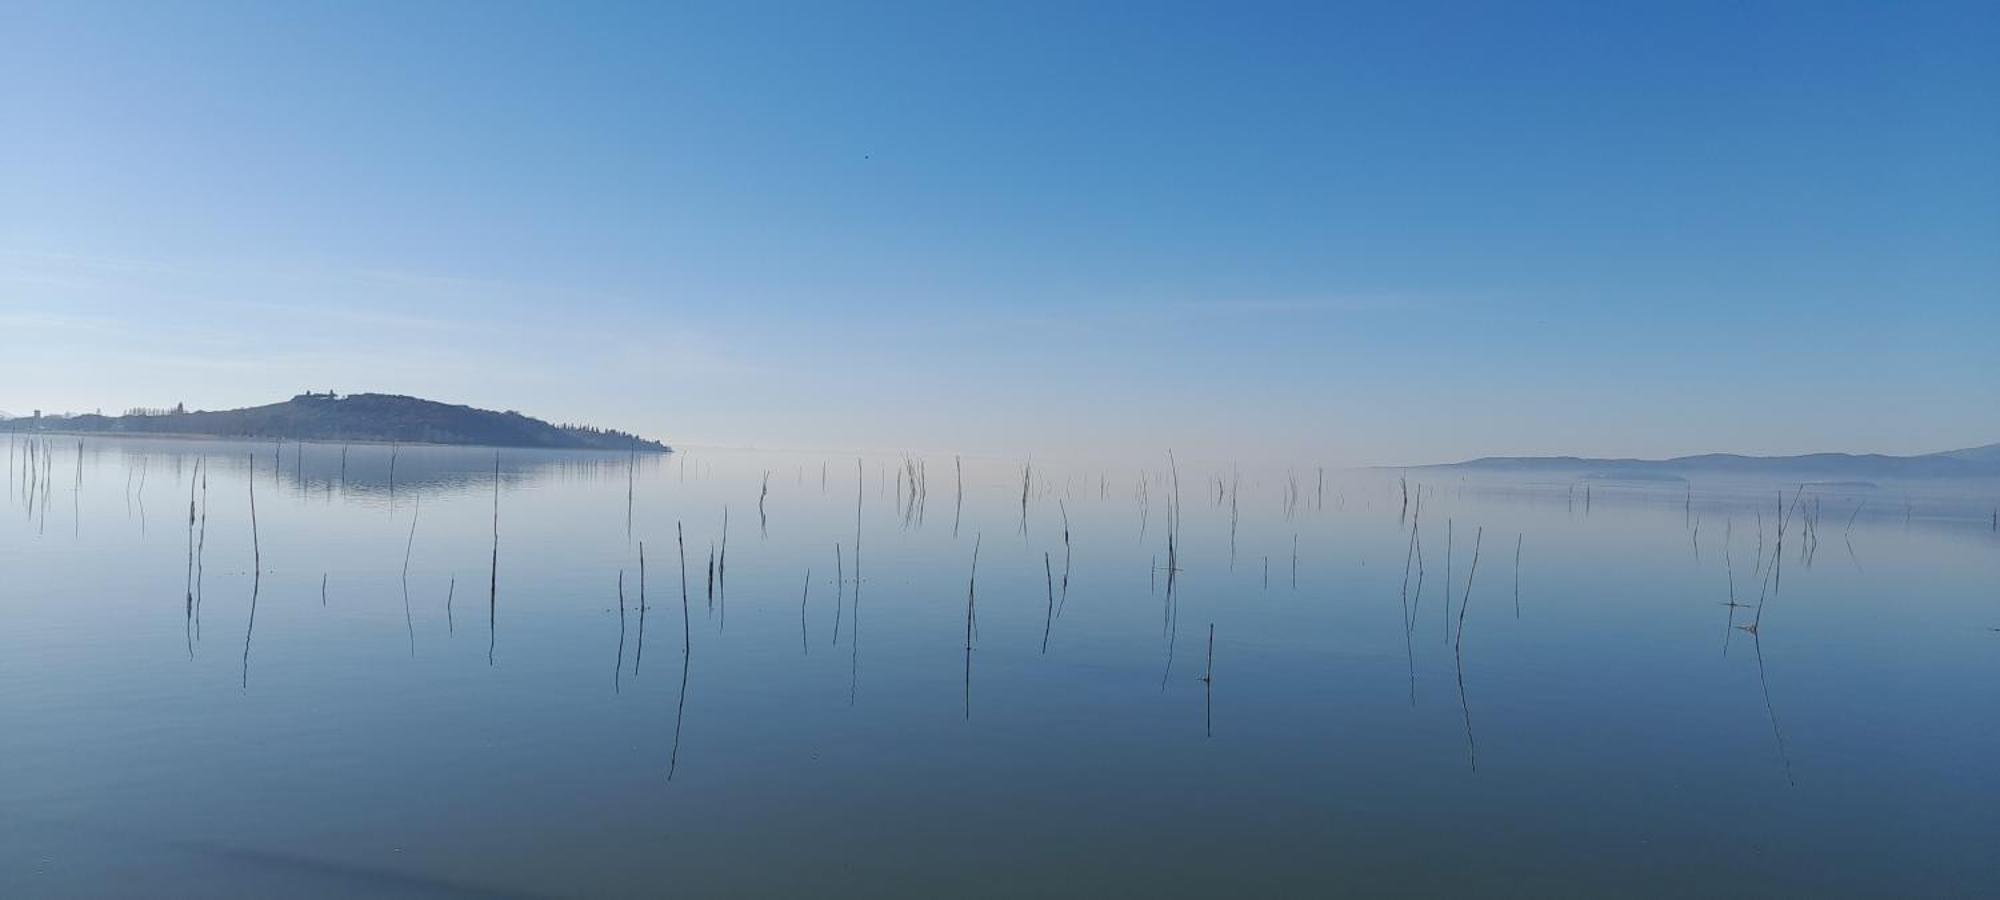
(354, 417)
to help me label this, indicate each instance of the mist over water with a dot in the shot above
(435, 698)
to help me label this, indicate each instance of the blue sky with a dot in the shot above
(1344, 233)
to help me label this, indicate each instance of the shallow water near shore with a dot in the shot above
(371, 694)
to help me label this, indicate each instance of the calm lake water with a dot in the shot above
(320, 723)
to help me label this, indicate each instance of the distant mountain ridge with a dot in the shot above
(354, 417)
(1972, 461)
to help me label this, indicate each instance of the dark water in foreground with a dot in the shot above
(1615, 735)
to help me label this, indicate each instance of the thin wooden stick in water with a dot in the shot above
(256, 572)
(639, 652)
(1458, 651)
(1235, 495)
(803, 594)
(187, 623)
(493, 575)
(1026, 480)
(1066, 557)
(618, 670)
(680, 541)
(1729, 572)
(1459, 638)
(190, 539)
(722, 567)
(408, 623)
(1208, 686)
(1447, 579)
(839, 590)
(1416, 528)
(1409, 557)
(1048, 620)
(411, 545)
(200, 553)
(971, 617)
(687, 657)
(250, 628)
(256, 551)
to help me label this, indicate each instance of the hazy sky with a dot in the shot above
(1387, 232)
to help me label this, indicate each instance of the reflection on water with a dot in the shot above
(1575, 731)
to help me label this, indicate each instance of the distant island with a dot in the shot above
(1970, 462)
(384, 418)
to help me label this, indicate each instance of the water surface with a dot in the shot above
(372, 695)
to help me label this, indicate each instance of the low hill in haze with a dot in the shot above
(1973, 462)
(355, 417)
